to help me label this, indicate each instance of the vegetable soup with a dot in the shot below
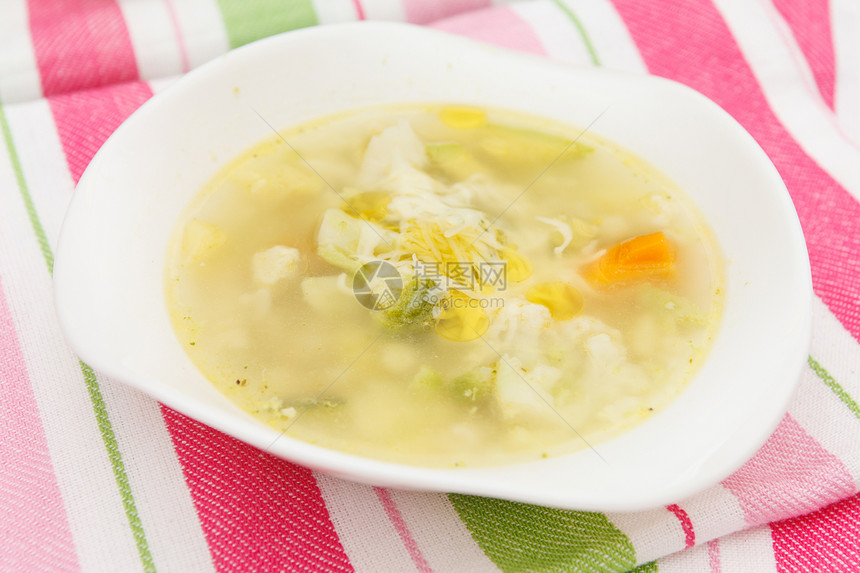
(444, 285)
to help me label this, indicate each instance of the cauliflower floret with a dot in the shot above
(603, 351)
(607, 365)
(274, 264)
(518, 325)
(521, 391)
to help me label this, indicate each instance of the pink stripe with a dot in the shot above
(686, 524)
(714, 556)
(86, 118)
(688, 41)
(424, 12)
(80, 44)
(809, 20)
(258, 512)
(180, 39)
(790, 475)
(827, 540)
(35, 533)
(402, 529)
(359, 11)
(500, 26)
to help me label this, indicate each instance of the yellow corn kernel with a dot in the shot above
(463, 117)
(518, 267)
(563, 301)
(462, 318)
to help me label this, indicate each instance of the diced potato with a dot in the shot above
(399, 357)
(325, 295)
(200, 240)
(288, 413)
(275, 264)
(520, 392)
(260, 301)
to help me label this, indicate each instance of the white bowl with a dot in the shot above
(110, 263)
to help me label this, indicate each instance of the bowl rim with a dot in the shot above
(460, 480)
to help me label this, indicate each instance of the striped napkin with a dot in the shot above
(98, 477)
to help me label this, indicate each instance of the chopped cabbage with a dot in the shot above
(347, 242)
(395, 148)
(563, 228)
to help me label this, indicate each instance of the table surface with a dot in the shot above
(99, 477)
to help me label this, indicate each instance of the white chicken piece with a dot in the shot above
(274, 264)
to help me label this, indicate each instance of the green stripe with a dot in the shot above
(835, 386)
(105, 428)
(247, 21)
(25, 193)
(118, 467)
(582, 33)
(523, 537)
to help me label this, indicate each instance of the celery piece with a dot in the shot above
(427, 381)
(334, 256)
(474, 386)
(414, 306)
(443, 152)
(524, 147)
(452, 160)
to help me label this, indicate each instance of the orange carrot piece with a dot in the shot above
(634, 259)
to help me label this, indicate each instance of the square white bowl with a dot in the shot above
(110, 264)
